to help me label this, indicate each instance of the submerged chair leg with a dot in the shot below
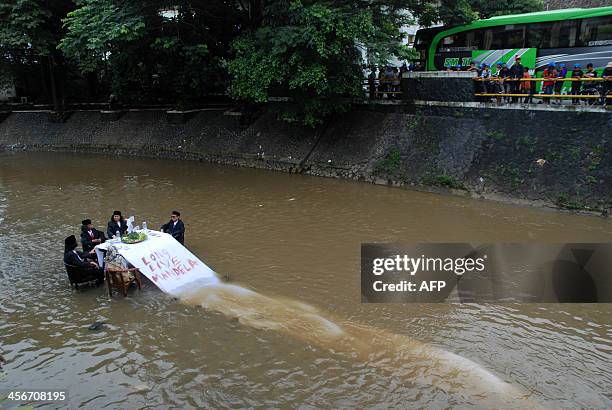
(108, 281)
(138, 279)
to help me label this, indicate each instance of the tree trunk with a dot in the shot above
(54, 97)
(255, 13)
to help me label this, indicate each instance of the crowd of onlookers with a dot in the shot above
(511, 84)
(519, 79)
(386, 82)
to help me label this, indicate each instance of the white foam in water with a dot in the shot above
(377, 347)
(396, 354)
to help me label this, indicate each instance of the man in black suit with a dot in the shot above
(90, 236)
(116, 223)
(175, 227)
(80, 259)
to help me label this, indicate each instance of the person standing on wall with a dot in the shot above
(577, 74)
(561, 74)
(372, 83)
(175, 227)
(516, 73)
(607, 83)
(589, 87)
(549, 74)
(526, 87)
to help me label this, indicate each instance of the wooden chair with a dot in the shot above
(78, 276)
(115, 279)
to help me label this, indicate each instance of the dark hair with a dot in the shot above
(525, 68)
(589, 65)
(177, 213)
(70, 243)
(112, 218)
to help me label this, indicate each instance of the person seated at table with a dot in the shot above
(90, 236)
(113, 261)
(116, 223)
(80, 259)
(175, 227)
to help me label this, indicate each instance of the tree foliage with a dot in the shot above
(97, 28)
(153, 49)
(309, 51)
(464, 11)
(29, 33)
(184, 50)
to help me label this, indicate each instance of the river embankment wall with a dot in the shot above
(551, 157)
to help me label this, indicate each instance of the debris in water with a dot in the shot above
(541, 162)
(292, 199)
(96, 326)
(141, 387)
(2, 361)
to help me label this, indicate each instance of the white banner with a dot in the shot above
(166, 262)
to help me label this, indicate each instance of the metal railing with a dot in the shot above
(377, 88)
(586, 94)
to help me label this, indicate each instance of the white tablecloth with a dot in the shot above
(163, 260)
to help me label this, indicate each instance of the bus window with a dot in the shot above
(514, 36)
(538, 35)
(463, 41)
(504, 37)
(450, 43)
(595, 31)
(563, 34)
(557, 34)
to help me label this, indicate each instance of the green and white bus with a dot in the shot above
(568, 36)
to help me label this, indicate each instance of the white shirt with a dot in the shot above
(77, 254)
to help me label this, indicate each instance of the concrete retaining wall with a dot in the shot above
(438, 86)
(483, 152)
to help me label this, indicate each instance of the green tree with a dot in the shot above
(156, 49)
(486, 9)
(464, 11)
(309, 51)
(29, 33)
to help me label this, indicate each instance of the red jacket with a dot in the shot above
(549, 73)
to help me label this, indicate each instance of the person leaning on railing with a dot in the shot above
(549, 74)
(607, 83)
(590, 87)
(381, 82)
(395, 82)
(372, 83)
(577, 74)
(503, 74)
(478, 83)
(561, 74)
(516, 72)
(526, 86)
(489, 84)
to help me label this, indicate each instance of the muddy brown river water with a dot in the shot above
(296, 240)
